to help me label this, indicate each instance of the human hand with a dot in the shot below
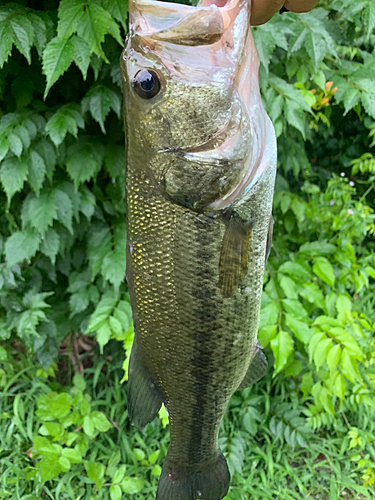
(263, 10)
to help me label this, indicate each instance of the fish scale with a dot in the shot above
(195, 263)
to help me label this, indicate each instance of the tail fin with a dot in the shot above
(209, 481)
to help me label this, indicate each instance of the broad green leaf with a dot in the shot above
(324, 270)
(64, 208)
(88, 426)
(103, 335)
(99, 101)
(66, 119)
(349, 367)
(48, 468)
(320, 352)
(153, 457)
(13, 173)
(61, 405)
(268, 315)
(100, 421)
(282, 346)
(333, 357)
(132, 485)
(94, 24)
(64, 463)
(6, 42)
(70, 14)
(20, 246)
(73, 455)
(338, 387)
(82, 54)
(22, 33)
(50, 244)
(95, 472)
(84, 161)
(118, 9)
(289, 287)
(300, 328)
(115, 492)
(57, 57)
(40, 212)
(118, 476)
(113, 268)
(294, 269)
(37, 171)
(156, 470)
(15, 144)
(306, 384)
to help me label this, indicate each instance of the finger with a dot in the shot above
(263, 10)
(300, 5)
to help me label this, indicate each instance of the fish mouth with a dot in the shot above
(180, 24)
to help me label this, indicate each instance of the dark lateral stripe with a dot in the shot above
(206, 317)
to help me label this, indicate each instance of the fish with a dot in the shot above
(200, 174)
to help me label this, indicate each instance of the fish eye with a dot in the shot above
(146, 83)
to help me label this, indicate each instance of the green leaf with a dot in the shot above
(118, 476)
(15, 144)
(22, 33)
(324, 270)
(48, 468)
(100, 421)
(338, 387)
(349, 367)
(333, 357)
(40, 212)
(37, 171)
(282, 346)
(50, 244)
(118, 9)
(307, 383)
(294, 269)
(66, 119)
(94, 24)
(99, 101)
(6, 42)
(84, 160)
(114, 266)
(132, 485)
(88, 426)
(61, 405)
(268, 315)
(300, 328)
(115, 492)
(153, 457)
(70, 14)
(13, 173)
(82, 54)
(65, 463)
(64, 208)
(95, 472)
(73, 455)
(289, 287)
(57, 57)
(103, 335)
(156, 470)
(20, 246)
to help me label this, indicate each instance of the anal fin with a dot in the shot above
(144, 398)
(257, 368)
(234, 255)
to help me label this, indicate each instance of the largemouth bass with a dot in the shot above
(201, 161)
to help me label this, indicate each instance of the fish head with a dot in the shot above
(185, 96)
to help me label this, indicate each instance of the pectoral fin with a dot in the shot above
(235, 254)
(256, 370)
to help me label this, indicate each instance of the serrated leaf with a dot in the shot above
(23, 34)
(15, 144)
(70, 14)
(113, 268)
(83, 161)
(57, 57)
(47, 151)
(324, 270)
(333, 357)
(103, 335)
(99, 101)
(50, 244)
(66, 119)
(82, 54)
(282, 346)
(300, 328)
(13, 173)
(37, 171)
(118, 9)
(40, 212)
(94, 24)
(6, 42)
(64, 208)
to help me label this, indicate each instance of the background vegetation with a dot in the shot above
(307, 429)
